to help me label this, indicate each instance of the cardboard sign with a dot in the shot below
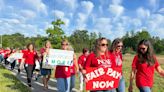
(16, 55)
(58, 57)
(102, 78)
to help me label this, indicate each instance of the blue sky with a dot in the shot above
(113, 18)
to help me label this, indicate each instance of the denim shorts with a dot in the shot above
(45, 72)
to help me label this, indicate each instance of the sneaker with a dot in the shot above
(29, 84)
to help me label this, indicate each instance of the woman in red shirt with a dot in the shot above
(100, 57)
(29, 58)
(116, 49)
(143, 66)
(65, 74)
(81, 62)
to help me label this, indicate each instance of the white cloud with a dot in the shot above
(66, 21)
(38, 5)
(10, 21)
(88, 6)
(10, 26)
(58, 14)
(1, 4)
(61, 15)
(116, 10)
(161, 10)
(47, 25)
(153, 2)
(28, 14)
(116, 2)
(81, 21)
(155, 22)
(136, 22)
(142, 13)
(101, 9)
(103, 25)
(72, 5)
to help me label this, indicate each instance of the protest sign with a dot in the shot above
(14, 56)
(102, 78)
(58, 57)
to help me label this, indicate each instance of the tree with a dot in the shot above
(79, 39)
(55, 33)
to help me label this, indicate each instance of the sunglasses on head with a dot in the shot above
(103, 44)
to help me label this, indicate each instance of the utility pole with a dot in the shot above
(1, 42)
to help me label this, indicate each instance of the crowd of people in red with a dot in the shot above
(143, 66)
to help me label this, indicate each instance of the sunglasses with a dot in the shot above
(65, 44)
(120, 46)
(142, 48)
(103, 44)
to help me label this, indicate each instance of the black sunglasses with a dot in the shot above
(104, 45)
(142, 48)
(120, 46)
(65, 44)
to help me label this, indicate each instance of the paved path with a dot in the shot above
(37, 86)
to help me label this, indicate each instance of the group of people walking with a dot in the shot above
(143, 66)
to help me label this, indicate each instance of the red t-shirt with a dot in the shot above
(145, 73)
(62, 71)
(23, 51)
(6, 53)
(118, 59)
(82, 60)
(30, 57)
(1, 51)
(103, 60)
(72, 69)
(42, 50)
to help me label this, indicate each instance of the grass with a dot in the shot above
(158, 80)
(9, 83)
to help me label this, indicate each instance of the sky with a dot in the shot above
(112, 18)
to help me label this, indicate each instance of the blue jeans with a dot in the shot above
(72, 82)
(121, 87)
(145, 89)
(1, 58)
(63, 84)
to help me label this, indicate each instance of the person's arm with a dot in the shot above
(132, 76)
(160, 70)
(76, 64)
(79, 63)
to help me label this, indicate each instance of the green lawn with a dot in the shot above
(158, 80)
(9, 83)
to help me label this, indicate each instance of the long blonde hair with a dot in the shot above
(46, 43)
(69, 45)
(97, 44)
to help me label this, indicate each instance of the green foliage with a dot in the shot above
(55, 33)
(131, 39)
(80, 39)
(9, 83)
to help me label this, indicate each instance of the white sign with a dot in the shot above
(16, 55)
(58, 57)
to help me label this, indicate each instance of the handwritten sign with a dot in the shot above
(14, 57)
(102, 78)
(58, 57)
